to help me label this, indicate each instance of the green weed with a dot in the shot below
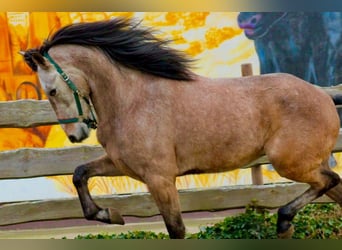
(314, 221)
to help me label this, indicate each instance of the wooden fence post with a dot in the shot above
(257, 179)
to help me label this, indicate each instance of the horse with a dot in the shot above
(306, 44)
(157, 120)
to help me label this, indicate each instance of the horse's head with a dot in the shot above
(68, 93)
(257, 24)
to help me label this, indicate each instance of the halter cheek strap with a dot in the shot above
(91, 123)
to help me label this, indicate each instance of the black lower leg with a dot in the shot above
(287, 212)
(80, 180)
(177, 229)
(285, 216)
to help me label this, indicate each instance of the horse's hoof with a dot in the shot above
(287, 234)
(115, 217)
(110, 216)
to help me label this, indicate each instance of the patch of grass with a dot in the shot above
(130, 235)
(320, 221)
(315, 221)
(248, 225)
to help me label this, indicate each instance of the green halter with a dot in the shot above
(91, 123)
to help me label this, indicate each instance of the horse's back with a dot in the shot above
(278, 99)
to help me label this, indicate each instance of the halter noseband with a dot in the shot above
(91, 123)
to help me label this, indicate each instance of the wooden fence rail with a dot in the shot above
(142, 205)
(26, 114)
(38, 162)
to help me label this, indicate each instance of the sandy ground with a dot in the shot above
(71, 228)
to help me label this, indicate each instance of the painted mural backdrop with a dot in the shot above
(220, 42)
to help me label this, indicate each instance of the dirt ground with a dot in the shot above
(73, 227)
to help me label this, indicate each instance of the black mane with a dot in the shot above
(124, 42)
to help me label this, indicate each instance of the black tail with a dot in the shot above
(335, 93)
(337, 98)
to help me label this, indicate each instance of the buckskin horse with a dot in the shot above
(157, 120)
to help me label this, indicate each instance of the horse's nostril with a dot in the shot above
(72, 138)
(254, 20)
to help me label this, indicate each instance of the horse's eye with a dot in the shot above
(53, 92)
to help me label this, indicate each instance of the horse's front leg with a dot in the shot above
(165, 194)
(100, 167)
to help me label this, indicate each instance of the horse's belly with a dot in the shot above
(216, 160)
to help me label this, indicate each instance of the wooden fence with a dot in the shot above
(38, 162)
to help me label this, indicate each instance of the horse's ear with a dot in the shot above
(40, 60)
(35, 59)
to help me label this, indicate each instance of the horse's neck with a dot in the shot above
(115, 92)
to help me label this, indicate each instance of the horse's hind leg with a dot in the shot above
(101, 167)
(165, 194)
(325, 180)
(336, 193)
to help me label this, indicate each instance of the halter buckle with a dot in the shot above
(90, 123)
(64, 76)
